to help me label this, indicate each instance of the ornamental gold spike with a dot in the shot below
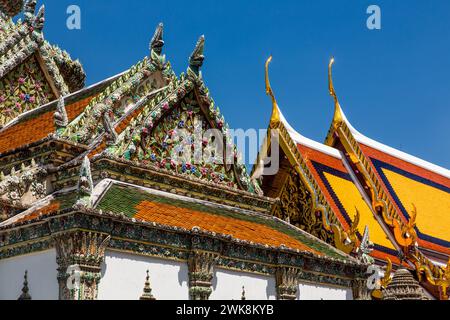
(384, 282)
(275, 118)
(412, 219)
(337, 119)
(387, 274)
(354, 225)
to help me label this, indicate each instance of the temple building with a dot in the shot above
(102, 198)
(351, 186)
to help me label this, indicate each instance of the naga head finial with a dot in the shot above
(366, 247)
(157, 42)
(405, 234)
(354, 226)
(196, 59)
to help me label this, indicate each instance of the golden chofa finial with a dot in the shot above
(275, 118)
(337, 119)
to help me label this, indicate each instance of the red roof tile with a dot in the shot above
(188, 218)
(35, 129)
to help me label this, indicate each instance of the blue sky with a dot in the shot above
(393, 83)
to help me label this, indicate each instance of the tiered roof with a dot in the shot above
(410, 182)
(184, 212)
(352, 172)
(104, 152)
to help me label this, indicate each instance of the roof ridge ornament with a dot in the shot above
(275, 118)
(338, 117)
(29, 9)
(365, 248)
(197, 57)
(384, 282)
(85, 184)
(60, 115)
(157, 42)
(157, 59)
(405, 234)
(346, 240)
(111, 134)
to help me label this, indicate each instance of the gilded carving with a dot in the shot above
(296, 207)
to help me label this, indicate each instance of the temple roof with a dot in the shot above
(409, 182)
(32, 71)
(341, 190)
(38, 123)
(183, 212)
(403, 200)
(410, 197)
(127, 120)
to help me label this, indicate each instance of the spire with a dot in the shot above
(338, 118)
(60, 116)
(243, 293)
(275, 118)
(196, 59)
(25, 291)
(403, 286)
(157, 42)
(147, 295)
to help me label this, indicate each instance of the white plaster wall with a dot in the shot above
(42, 276)
(309, 291)
(227, 285)
(123, 277)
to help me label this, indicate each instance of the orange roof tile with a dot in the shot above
(35, 129)
(52, 207)
(188, 218)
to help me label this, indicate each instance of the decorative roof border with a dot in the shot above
(404, 233)
(289, 139)
(135, 235)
